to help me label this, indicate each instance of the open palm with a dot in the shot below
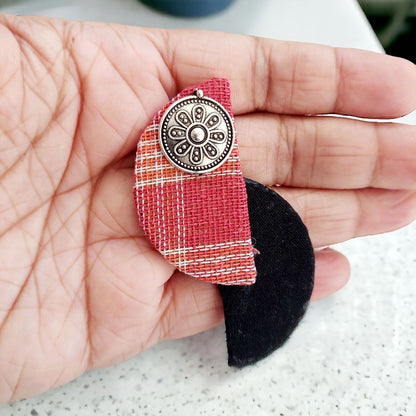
(80, 286)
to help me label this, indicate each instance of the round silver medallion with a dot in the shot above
(196, 134)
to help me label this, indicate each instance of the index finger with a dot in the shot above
(293, 78)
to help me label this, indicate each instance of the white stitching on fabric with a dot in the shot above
(208, 247)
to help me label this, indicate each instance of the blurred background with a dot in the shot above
(394, 22)
(354, 353)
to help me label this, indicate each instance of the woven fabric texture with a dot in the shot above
(199, 223)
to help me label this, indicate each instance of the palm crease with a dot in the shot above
(80, 285)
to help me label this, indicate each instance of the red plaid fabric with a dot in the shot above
(199, 223)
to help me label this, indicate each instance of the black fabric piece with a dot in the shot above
(260, 318)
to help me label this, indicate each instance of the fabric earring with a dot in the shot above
(203, 217)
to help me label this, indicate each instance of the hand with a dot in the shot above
(80, 286)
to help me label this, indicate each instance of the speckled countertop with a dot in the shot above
(353, 354)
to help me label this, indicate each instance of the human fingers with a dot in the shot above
(289, 77)
(332, 216)
(327, 152)
(195, 306)
(332, 272)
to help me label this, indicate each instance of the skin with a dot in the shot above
(80, 286)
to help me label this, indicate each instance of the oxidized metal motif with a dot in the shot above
(196, 134)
